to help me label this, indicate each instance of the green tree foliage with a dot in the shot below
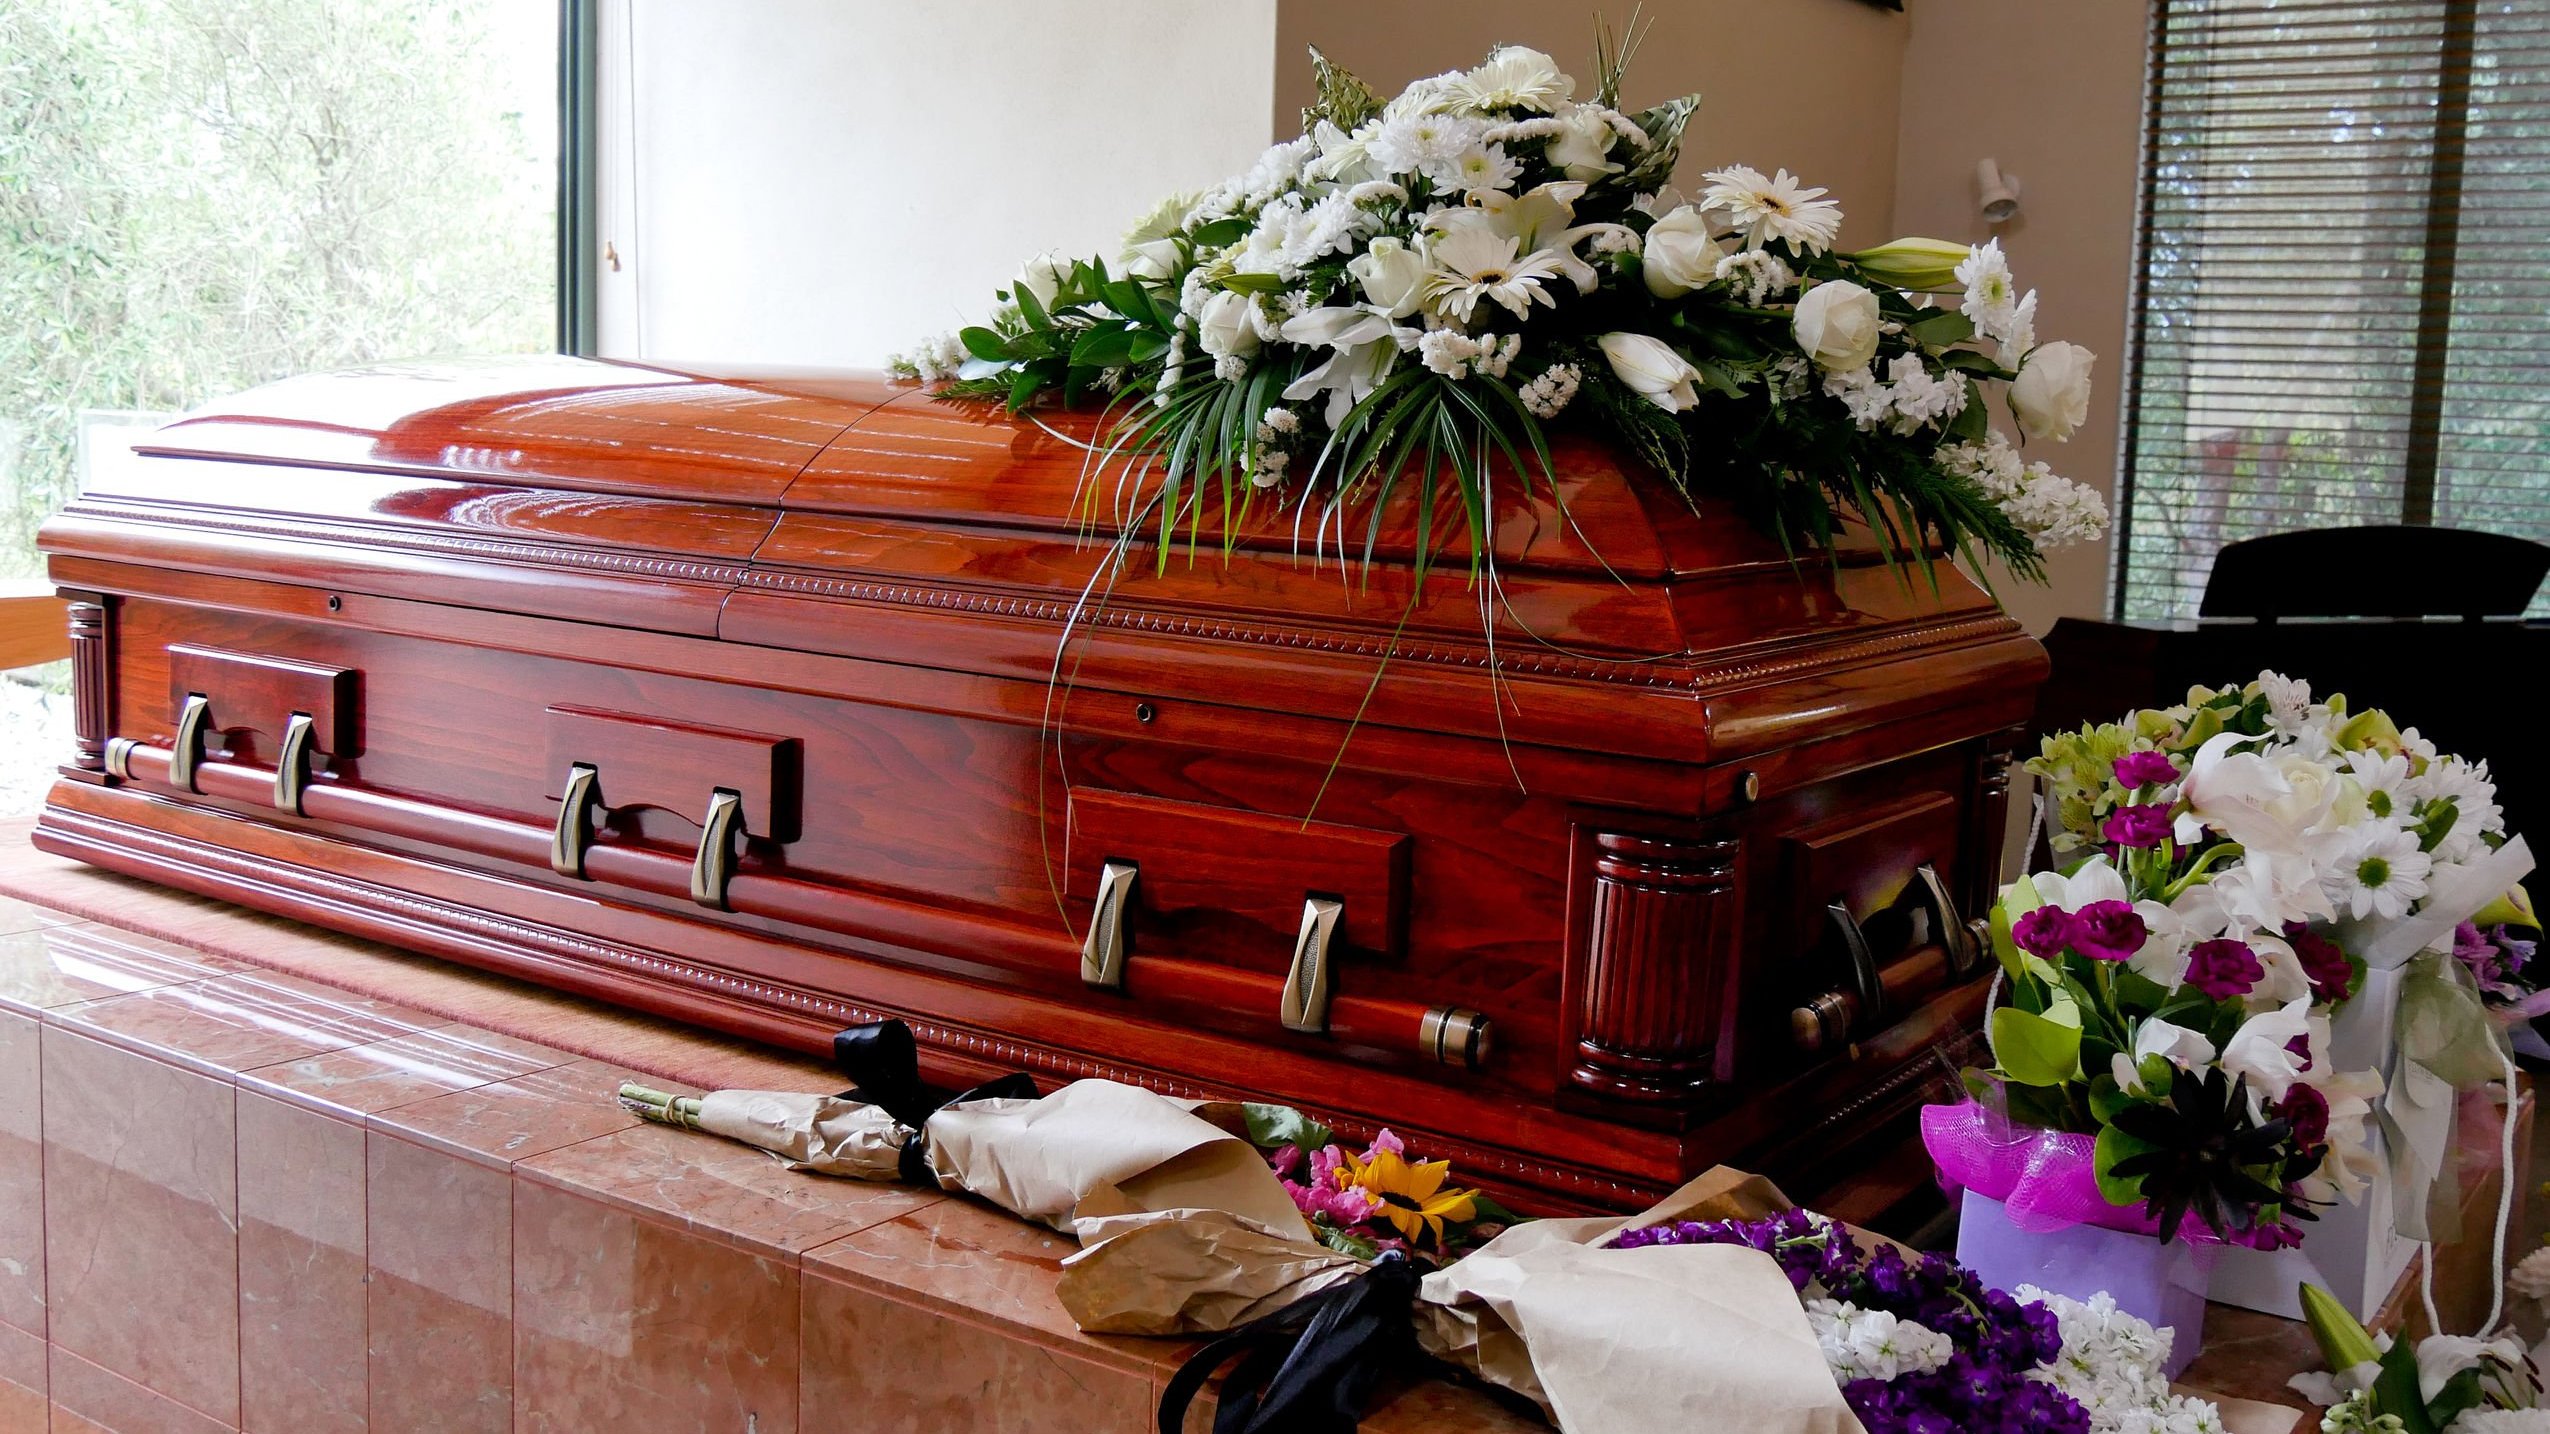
(201, 195)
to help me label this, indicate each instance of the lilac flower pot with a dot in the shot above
(2161, 1283)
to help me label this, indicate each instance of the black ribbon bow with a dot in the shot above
(1310, 1367)
(885, 1062)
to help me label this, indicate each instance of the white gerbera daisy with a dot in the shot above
(1777, 207)
(2379, 871)
(1472, 263)
(1482, 168)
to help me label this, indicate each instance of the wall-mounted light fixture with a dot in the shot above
(1996, 194)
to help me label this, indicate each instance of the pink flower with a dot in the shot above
(2108, 931)
(2323, 964)
(2145, 769)
(2043, 932)
(2139, 826)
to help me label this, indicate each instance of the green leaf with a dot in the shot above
(1129, 299)
(1146, 346)
(2036, 1049)
(1103, 348)
(1343, 100)
(1219, 233)
(2114, 1147)
(1273, 1125)
(2395, 1390)
(1029, 310)
(1942, 327)
(1345, 1242)
(983, 344)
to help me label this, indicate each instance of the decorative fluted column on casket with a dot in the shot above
(1653, 977)
(92, 690)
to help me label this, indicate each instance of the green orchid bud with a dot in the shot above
(1912, 263)
(2512, 909)
(2370, 730)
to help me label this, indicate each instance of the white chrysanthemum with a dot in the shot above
(1514, 78)
(1483, 168)
(2378, 871)
(1777, 207)
(2530, 1277)
(1423, 144)
(1992, 301)
(2469, 787)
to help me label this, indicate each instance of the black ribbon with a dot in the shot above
(885, 1062)
(1310, 1367)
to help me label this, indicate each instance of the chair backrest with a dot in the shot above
(2381, 571)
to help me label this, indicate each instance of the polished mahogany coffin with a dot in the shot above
(779, 703)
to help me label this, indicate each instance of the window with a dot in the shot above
(2344, 313)
(197, 196)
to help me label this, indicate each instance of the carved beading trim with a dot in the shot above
(328, 891)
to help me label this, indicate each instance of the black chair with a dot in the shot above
(2389, 571)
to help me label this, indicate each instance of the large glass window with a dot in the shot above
(201, 195)
(2344, 314)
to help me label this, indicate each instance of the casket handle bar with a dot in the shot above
(714, 867)
(574, 833)
(1312, 979)
(1102, 952)
(1944, 946)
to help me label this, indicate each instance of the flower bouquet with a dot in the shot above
(2444, 1384)
(2203, 999)
(1419, 288)
(1382, 1201)
(1918, 1343)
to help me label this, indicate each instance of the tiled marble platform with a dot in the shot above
(235, 1199)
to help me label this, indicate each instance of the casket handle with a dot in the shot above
(187, 750)
(292, 764)
(714, 867)
(1956, 935)
(1312, 979)
(1102, 952)
(574, 832)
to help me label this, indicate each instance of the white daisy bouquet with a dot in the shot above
(2234, 866)
(1418, 289)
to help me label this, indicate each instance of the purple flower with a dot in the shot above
(2323, 964)
(2043, 932)
(2108, 931)
(2300, 1048)
(2307, 1111)
(2138, 826)
(2224, 968)
(2145, 769)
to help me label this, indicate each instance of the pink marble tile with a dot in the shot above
(22, 1174)
(441, 1291)
(16, 915)
(970, 1262)
(358, 1080)
(63, 965)
(237, 1023)
(302, 1270)
(141, 1250)
(87, 1398)
(633, 1325)
(873, 1365)
(720, 1189)
(22, 1378)
(515, 1119)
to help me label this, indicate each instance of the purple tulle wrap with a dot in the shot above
(2047, 1179)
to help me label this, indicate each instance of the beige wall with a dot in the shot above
(824, 181)
(1811, 85)
(2053, 89)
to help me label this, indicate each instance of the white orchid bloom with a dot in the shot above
(2268, 888)
(2195, 915)
(2285, 980)
(2188, 1050)
(2258, 1051)
(1366, 346)
(2095, 880)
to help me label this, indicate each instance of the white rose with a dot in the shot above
(1151, 259)
(1836, 323)
(1653, 369)
(1681, 256)
(2052, 391)
(1391, 273)
(1582, 147)
(1042, 277)
(1228, 324)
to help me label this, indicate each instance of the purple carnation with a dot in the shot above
(2108, 931)
(2145, 769)
(2224, 968)
(2138, 826)
(2323, 964)
(2307, 1111)
(2043, 932)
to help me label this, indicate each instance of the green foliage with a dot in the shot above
(1273, 1125)
(201, 195)
(2036, 1049)
(1344, 100)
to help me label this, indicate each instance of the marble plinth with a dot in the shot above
(238, 1199)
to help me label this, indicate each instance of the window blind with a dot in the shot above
(2342, 314)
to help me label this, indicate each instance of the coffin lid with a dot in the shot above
(765, 500)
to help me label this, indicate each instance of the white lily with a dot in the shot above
(1366, 346)
(2258, 1051)
(2188, 1050)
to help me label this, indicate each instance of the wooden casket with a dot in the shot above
(778, 704)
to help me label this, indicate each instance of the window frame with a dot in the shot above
(578, 211)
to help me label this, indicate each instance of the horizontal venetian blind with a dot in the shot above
(2343, 313)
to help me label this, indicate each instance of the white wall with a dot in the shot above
(2054, 91)
(823, 181)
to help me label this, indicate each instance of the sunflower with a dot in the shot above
(1410, 1191)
